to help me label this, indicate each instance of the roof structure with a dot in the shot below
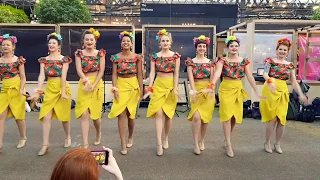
(248, 9)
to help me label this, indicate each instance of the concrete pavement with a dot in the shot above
(300, 161)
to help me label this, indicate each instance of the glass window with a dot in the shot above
(264, 47)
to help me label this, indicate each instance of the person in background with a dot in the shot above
(231, 93)
(274, 109)
(79, 164)
(90, 65)
(12, 96)
(165, 64)
(57, 97)
(200, 71)
(127, 88)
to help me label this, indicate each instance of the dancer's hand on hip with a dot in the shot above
(116, 95)
(272, 87)
(64, 96)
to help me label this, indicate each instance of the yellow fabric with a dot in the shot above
(11, 98)
(129, 95)
(163, 98)
(204, 103)
(52, 101)
(276, 104)
(231, 94)
(91, 101)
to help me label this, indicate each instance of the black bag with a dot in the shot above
(73, 104)
(256, 110)
(247, 111)
(316, 106)
(293, 108)
(306, 114)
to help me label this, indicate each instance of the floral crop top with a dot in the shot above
(126, 66)
(90, 63)
(53, 68)
(200, 70)
(278, 70)
(165, 64)
(234, 70)
(10, 70)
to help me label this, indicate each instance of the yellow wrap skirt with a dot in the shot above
(129, 95)
(276, 104)
(231, 94)
(52, 101)
(204, 103)
(11, 98)
(163, 97)
(91, 101)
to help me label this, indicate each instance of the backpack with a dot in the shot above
(256, 110)
(316, 106)
(247, 112)
(293, 108)
(73, 104)
(306, 113)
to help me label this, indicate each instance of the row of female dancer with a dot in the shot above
(127, 89)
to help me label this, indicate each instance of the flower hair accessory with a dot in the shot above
(280, 41)
(56, 35)
(232, 38)
(95, 33)
(201, 38)
(7, 36)
(123, 33)
(161, 33)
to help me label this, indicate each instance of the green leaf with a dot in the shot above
(62, 11)
(316, 15)
(9, 14)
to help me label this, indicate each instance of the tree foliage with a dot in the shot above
(62, 11)
(316, 15)
(9, 14)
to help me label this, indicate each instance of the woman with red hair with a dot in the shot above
(79, 164)
(274, 109)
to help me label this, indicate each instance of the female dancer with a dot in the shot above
(274, 109)
(90, 64)
(231, 92)
(200, 70)
(127, 85)
(165, 88)
(12, 96)
(57, 98)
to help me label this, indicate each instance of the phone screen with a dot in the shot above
(101, 156)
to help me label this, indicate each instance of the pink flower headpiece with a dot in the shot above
(201, 38)
(7, 36)
(280, 41)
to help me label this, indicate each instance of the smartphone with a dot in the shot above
(101, 156)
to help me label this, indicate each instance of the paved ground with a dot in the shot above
(301, 146)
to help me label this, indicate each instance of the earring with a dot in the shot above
(159, 47)
(196, 53)
(121, 48)
(205, 54)
(228, 54)
(83, 46)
